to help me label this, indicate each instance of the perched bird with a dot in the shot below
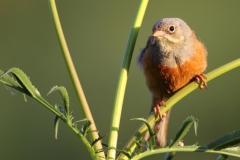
(173, 56)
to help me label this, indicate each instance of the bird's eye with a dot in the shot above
(171, 29)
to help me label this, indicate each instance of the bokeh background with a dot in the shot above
(96, 33)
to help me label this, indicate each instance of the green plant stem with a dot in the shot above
(74, 77)
(86, 143)
(130, 146)
(182, 149)
(117, 109)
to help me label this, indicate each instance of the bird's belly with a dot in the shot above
(164, 81)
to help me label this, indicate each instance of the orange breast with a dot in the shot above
(163, 81)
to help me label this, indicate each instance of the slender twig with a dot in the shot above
(73, 74)
(117, 109)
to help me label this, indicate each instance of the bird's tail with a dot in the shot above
(160, 127)
(160, 130)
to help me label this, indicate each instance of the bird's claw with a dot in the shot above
(201, 80)
(157, 110)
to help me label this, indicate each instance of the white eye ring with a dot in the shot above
(171, 28)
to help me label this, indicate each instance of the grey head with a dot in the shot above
(172, 42)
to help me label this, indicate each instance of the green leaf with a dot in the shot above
(85, 128)
(9, 81)
(152, 135)
(23, 84)
(183, 130)
(98, 139)
(139, 147)
(23, 81)
(228, 140)
(64, 95)
(180, 134)
(233, 151)
(195, 124)
(145, 144)
(56, 124)
(148, 125)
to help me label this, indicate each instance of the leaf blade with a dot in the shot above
(152, 135)
(183, 130)
(56, 124)
(64, 94)
(225, 141)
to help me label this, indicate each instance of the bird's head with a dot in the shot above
(170, 33)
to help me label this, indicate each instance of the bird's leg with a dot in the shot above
(157, 109)
(201, 78)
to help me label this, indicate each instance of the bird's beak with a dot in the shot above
(158, 33)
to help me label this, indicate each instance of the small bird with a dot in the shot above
(173, 56)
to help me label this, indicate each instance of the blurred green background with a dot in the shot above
(96, 33)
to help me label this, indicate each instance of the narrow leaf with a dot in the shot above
(145, 144)
(139, 147)
(23, 80)
(228, 140)
(195, 124)
(85, 128)
(64, 95)
(147, 124)
(232, 151)
(9, 81)
(23, 84)
(183, 130)
(96, 140)
(152, 135)
(56, 124)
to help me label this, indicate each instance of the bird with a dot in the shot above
(172, 57)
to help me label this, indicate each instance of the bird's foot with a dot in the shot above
(157, 110)
(201, 80)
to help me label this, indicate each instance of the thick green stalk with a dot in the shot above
(74, 76)
(184, 149)
(117, 109)
(174, 99)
